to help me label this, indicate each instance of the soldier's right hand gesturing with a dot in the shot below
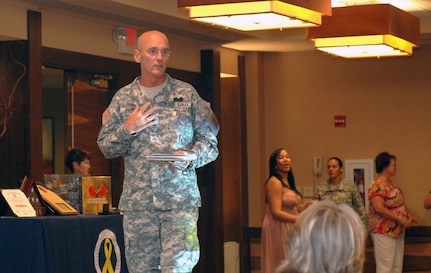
(141, 118)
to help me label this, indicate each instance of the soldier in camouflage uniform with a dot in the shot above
(340, 190)
(157, 114)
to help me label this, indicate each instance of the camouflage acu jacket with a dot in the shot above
(345, 192)
(185, 122)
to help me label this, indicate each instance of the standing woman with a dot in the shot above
(340, 190)
(388, 216)
(282, 211)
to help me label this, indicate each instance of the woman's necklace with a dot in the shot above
(286, 183)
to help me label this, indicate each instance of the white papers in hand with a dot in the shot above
(172, 157)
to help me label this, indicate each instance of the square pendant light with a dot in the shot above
(258, 15)
(363, 31)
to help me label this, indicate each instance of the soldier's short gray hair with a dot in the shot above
(327, 238)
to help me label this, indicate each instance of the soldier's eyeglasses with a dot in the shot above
(154, 51)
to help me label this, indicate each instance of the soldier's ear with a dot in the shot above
(137, 56)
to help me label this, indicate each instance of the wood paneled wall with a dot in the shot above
(21, 145)
(14, 113)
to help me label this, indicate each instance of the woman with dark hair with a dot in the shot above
(78, 162)
(283, 207)
(388, 216)
(340, 190)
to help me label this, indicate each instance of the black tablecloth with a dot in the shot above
(61, 244)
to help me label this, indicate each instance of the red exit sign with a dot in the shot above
(340, 121)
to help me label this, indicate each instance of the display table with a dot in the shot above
(60, 244)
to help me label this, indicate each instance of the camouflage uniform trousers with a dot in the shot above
(161, 241)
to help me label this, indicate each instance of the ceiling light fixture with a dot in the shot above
(249, 15)
(363, 31)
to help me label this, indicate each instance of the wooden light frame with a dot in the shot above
(367, 31)
(249, 15)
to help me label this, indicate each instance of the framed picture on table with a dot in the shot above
(361, 172)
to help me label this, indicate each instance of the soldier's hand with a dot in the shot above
(181, 164)
(141, 118)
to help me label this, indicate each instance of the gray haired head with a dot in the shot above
(327, 238)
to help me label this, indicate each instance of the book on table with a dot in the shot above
(86, 193)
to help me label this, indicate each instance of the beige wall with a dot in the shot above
(90, 36)
(86, 35)
(387, 108)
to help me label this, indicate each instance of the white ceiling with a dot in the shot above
(166, 16)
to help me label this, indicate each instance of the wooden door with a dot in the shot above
(87, 98)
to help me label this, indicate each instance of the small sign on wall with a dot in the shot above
(340, 121)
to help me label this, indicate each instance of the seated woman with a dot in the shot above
(327, 238)
(78, 162)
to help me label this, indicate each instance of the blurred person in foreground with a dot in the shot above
(327, 238)
(157, 114)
